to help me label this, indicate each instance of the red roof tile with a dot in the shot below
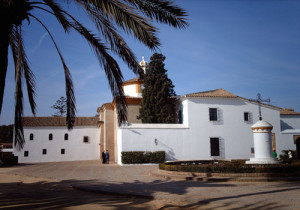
(213, 93)
(58, 121)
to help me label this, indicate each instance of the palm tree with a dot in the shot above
(132, 16)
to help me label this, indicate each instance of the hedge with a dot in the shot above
(228, 167)
(143, 157)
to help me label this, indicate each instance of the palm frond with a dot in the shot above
(57, 10)
(19, 135)
(126, 17)
(4, 43)
(111, 68)
(117, 43)
(71, 101)
(163, 11)
(17, 46)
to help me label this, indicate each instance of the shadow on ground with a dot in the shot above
(50, 195)
(57, 195)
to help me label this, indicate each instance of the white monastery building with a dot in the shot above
(213, 124)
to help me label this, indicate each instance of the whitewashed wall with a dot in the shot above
(290, 122)
(130, 90)
(75, 148)
(191, 140)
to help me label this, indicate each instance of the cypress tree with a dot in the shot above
(157, 105)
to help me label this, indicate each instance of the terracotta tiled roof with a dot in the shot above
(288, 112)
(221, 93)
(213, 93)
(58, 121)
(105, 106)
(137, 79)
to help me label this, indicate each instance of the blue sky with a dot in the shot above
(245, 47)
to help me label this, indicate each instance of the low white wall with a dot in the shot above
(75, 148)
(141, 137)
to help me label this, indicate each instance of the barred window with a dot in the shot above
(213, 114)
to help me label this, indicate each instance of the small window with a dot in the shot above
(214, 147)
(66, 136)
(62, 151)
(31, 136)
(26, 153)
(50, 137)
(252, 150)
(180, 120)
(44, 151)
(213, 114)
(246, 116)
(86, 139)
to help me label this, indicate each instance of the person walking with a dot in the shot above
(107, 157)
(103, 157)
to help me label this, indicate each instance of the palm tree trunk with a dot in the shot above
(4, 43)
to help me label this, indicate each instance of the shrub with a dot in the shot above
(143, 157)
(285, 157)
(227, 167)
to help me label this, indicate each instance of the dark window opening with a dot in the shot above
(252, 150)
(214, 147)
(66, 136)
(180, 120)
(246, 116)
(31, 136)
(213, 114)
(62, 151)
(50, 137)
(26, 153)
(44, 151)
(86, 139)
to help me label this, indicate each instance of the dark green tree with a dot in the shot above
(157, 105)
(61, 106)
(111, 17)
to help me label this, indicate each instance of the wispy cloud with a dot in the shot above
(40, 41)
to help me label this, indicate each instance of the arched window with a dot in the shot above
(31, 136)
(50, 137)
(66, 136)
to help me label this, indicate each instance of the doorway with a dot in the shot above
(298, 147)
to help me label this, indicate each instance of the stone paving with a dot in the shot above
(136, 180)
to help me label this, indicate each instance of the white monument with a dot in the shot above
(262, 135)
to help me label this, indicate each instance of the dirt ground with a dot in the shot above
(49, 186)
(20, 192)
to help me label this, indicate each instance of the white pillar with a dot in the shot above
(262, 135)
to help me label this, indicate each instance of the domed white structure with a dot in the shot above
(262, 135)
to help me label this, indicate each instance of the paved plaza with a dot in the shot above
(136, 181)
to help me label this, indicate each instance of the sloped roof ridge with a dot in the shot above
(286, 111)
(58, 121)
(213, 93)
(136, 79)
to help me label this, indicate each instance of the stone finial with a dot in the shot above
(143, 64)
